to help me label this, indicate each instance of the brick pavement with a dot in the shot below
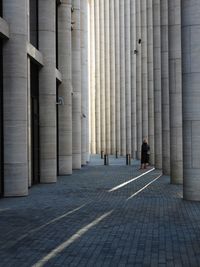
(80, 222)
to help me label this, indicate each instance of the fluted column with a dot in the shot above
(191, 99)
(117, 78)
(102, 76)
(107, 75)
(150, 79)
(97, 77)
(144, 69)
(138, 79)
(128, 75)
(65, 89)
(165, 88)
(122, 79)
(84, 80)
(133, 77)
(15, 100)
(47, 93)
(112, 78)
(157, 84)
(175, 87)
(76, 84)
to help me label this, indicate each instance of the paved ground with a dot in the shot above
(86, 220)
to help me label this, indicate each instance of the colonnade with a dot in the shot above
(139, 64)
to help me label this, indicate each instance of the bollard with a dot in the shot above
(116, 155)
(128, 159)
(106, 160)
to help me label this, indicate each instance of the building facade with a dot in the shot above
(44, 117)
(98, 76)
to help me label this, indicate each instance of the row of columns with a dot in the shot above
(140, 75)
(63, 129)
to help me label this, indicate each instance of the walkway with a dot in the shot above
(101, 216)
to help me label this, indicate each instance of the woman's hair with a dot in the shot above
(145, 140)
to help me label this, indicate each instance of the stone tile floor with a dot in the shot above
(80, 221)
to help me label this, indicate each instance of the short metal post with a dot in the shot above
(116, 154)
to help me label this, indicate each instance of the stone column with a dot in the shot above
(97, 77)
(138, 79)
(65, 89)
(165, 88)
(175, 87)
(102, 76)
(133, 78)
(191, 99)
(76, 84)
(128, 75)
(157, 84)
(107, 76)
(112, 78)
(84, 79)
(150, 79)
(122, 80)
(144, 69)
(117, 78)
(15, 100)
(92, 80)
(47, 93)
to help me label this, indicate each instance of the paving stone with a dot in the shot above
(78, 222)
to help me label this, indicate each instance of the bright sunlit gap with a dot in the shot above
(72, 239)
(135, 178)
(136, 193)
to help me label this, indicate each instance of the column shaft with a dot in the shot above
(157, 84)
(191, 99)
(128, 75)
(144, 69)
(138, 79)
(133, 78)
(47, 93)
(165, 88)
(76, 84)
(107, 76)
(112, 78)
(117, 78)
(15, 100)
(175, 87)
(122, 80)
(102, 75)
(150, 79)
(65, 89)
(84, 80)
(97, 78)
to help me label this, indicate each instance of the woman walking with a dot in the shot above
(145, 152)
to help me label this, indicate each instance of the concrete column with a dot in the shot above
(175, 87)
(144, 69)
(150, 79)
(138, 79)
(107, 75)
(84, 79)
(92, 79)
(122, 79)
(165, 88)
(97, 77)
(117, 77)
(112, 78)
(133, 78)
(15, 100)
(76, 84)
(128, 75)
(102, 75)
(157, 84)
(191, 99)
(65, 89)
(47, 93)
